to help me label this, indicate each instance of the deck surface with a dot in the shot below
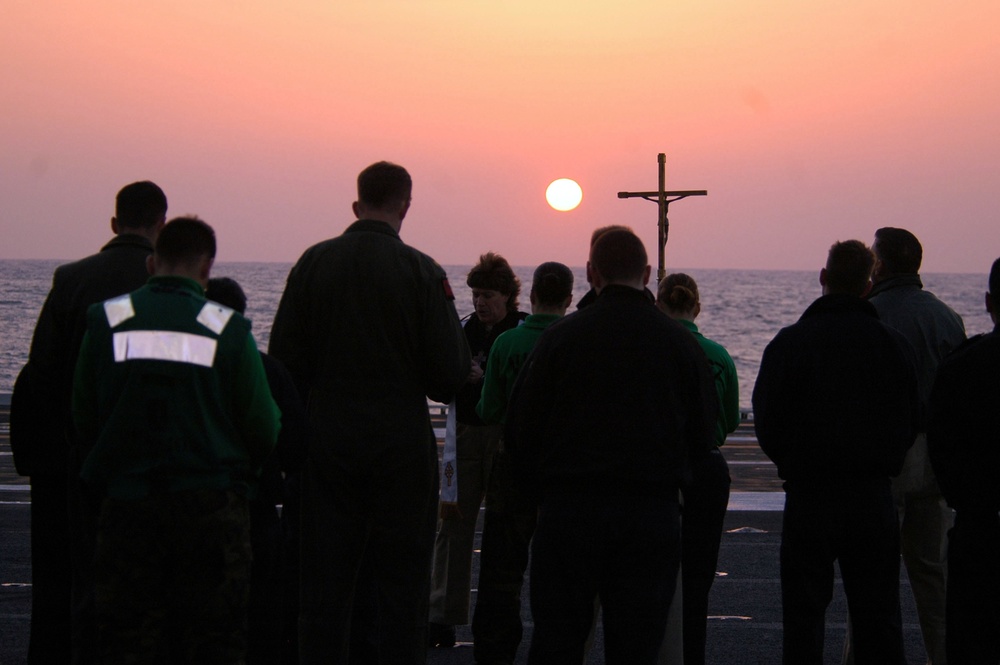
(745, 605)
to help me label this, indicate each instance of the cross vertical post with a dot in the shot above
(663, 199)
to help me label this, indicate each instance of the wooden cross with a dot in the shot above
(663, 199)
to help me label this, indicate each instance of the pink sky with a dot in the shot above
(807, 122)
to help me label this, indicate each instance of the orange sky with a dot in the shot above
(807, 122)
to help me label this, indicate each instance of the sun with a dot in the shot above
(564, 194)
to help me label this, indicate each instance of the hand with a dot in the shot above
(475, 373)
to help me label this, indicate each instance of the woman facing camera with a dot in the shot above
(706, 498)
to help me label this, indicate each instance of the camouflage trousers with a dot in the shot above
(172, 578)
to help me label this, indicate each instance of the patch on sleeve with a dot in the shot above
(215, 316)
(447, 288)
(118, 310)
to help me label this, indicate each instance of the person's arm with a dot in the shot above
(729, 396)
(84, 400)
(492, 406)
(257, 416)
(289, 341)
(446, 359)
(774, 403)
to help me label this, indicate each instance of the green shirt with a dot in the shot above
(170, 394)
(726, 382)
(507, 357)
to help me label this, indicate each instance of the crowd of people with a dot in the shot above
(197, 500)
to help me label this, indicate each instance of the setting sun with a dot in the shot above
(564, 194)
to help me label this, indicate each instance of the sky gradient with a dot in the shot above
(807, 122)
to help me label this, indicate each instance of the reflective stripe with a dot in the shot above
(164, 345)
(118, 310)
(214, 317)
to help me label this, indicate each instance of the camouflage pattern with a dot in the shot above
(172, 578)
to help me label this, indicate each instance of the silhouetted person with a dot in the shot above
(41, 426)
(964, 441)
(274, 579)
(933, 330)
(706, 494)
(175, 418)
(367, 327)
(469, 454)
(613, 403)
(510, 517)
(835, 408)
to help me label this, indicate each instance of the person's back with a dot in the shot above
(358, 301)
(368, 330)
(613, 402)
(932, 327)
(835, 406)
(836, 410)
(623, 358)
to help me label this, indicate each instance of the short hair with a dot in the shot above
(898, 250)
(678, 292)
(384, 185)
(849, 267)
(185, 240)
(552, 283)
(994, 283)
(140, 205)
(494, 273)
(618, 256)
(227, 291)
(598, 232)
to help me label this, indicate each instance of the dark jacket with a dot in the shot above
(368, 330)
(480, 342)
(962, 433)
(836, 395)
(614, 400)
(41, 423)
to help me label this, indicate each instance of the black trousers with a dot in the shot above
(854, 524)
(702, 517)
(508, 526)
(973, 602)
(51, 570)
(375, 508)
(623, 550)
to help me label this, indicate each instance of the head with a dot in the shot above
(551, 288)
(140, 208)
(184, 248)
(848, 269)
(678, 296)
(993, 295)
(897, 252)
(495, 288)
(384, 191)
(618, 257)
(227, 291)
(598, 232)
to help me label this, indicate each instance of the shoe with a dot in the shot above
(440, 636)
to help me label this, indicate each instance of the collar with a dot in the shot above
(839, 303)
(690, 325)
(176, 283)
(896, 282)
(128, 240)
(372, 226)
(622, 292)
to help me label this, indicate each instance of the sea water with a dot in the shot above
(741, 309)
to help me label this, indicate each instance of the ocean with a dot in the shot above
(741, 309)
